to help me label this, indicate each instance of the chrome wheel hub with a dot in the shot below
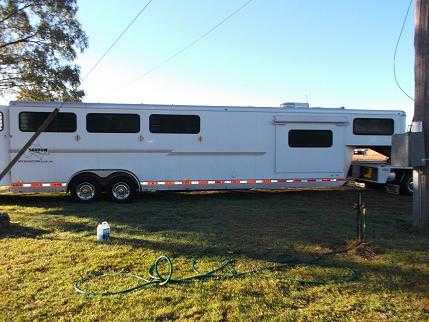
(85, 191)
(121, 191)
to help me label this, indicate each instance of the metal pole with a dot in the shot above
(360, 218)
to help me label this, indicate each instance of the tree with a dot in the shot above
(39, 40)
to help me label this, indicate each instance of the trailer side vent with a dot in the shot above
(294, 105)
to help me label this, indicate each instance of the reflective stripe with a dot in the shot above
(238, 181)
(38, 185)
(205, 182)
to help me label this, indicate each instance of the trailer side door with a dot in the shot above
(310, 147)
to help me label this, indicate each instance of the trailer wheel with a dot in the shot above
(122, 189)
(407, 187)
(86, 189)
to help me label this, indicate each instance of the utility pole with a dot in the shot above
(421, 111)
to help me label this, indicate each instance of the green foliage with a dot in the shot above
(39, 40)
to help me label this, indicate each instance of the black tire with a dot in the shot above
(407, 185)
(86, 189)
(122, 189)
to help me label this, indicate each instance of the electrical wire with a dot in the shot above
(396, 50)
(192, 43)
(116, 40)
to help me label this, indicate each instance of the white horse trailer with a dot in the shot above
(122, 149)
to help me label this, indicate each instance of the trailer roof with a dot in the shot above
(201, 107)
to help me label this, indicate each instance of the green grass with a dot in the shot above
(52, 243)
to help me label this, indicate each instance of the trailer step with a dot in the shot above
(393, 189)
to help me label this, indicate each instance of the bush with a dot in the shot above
(4, 220)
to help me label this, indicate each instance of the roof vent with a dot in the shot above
(294, 105)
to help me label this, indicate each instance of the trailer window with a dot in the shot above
(112, 123)
(174, 124)
(373, 126)
(1, 121)
(31, 121)
(310, 138)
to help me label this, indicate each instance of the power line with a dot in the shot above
(396, 50)
(116, 40)
(192, 43)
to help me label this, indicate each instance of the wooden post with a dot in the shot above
(421, 110)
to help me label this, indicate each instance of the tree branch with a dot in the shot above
(15, 12)
(18, 41)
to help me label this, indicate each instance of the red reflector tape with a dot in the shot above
(188, 182)
(204, 182)
(38, 185)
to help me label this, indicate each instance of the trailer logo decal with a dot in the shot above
(36, 154)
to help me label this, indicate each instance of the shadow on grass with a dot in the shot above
(241, 219)
(18, 231)
(273, 226)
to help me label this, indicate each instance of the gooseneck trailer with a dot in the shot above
(121, 149)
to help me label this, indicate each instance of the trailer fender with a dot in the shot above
(104, 176)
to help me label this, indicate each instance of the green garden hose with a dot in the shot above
(227, 267)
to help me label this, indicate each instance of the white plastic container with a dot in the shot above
(103, 231)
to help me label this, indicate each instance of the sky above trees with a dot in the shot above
(331, 53)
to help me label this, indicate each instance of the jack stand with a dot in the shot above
(360, 218)
(362, 248)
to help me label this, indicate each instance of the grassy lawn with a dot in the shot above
(52, 243)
